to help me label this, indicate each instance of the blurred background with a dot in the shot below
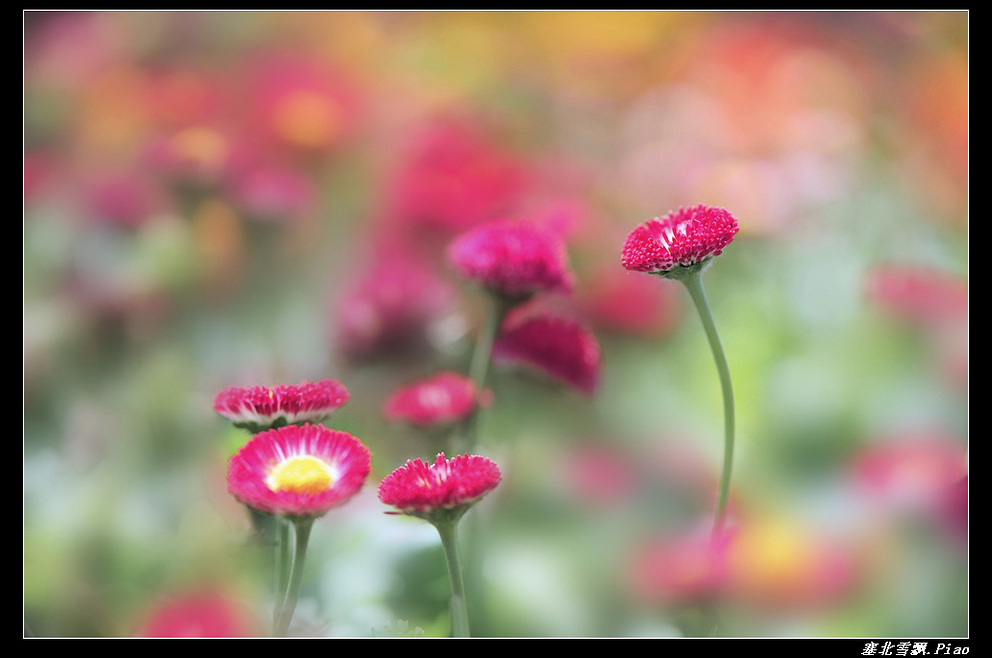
(252, 198)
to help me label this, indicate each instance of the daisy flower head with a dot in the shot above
(298, 470)
(514, 259)
(424, 490)
(441, 399)
(685, 238)
(258, 408)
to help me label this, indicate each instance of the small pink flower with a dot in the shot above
(298, 470)
(921, 296)
(417, 488)
(262, 407)
(200, 614)
(682, 238)
(683, 569)
(271, 193)
(561, 349)
(514, 259)
(442, 399)
(389, 310)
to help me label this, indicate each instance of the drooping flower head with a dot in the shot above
(298, 470)
(419, 489)
(683, 238)
(514, 259)
(560, 348)
(441, 399)
(259, 408)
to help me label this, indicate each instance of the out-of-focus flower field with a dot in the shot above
(217, 199)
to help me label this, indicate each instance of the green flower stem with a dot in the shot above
(284, 612)
(478, 369)
(693, 280)
(283, 557)
(447, 528)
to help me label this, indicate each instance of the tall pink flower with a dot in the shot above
(514, 259)
(298, 471)
(420, 489)
(562, 349)
(442, 399)
(261, 407)
(686, 237)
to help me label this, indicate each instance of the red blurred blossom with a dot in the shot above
(273, 193)
(916, 471)
(301, 102)
(417, 488)
(389, 310)
(298, 470)
(600, 475)
(262, 407)
(441, 399)
(200, 614)
(453, 179)
(680, 570)
(560, 348)
(122, 198)
(682, 238)
(779, 565)
(626, 303)
(513, 259)
(919, 295)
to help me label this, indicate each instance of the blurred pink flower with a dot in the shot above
(777, 564)
(919, 295)
(914, 472)
(199, 614)
(453, 179)
(680, 570)
(682, 238)
(301, 102)
(562, 349)
(271, 193)
(122, 199)
(599, 475)
(514, 259)
(389, 310)
(441, 399)
(194, 155)
(626, 303)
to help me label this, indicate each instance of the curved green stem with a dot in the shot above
(448, 530)
(694, 283)
(284, 613)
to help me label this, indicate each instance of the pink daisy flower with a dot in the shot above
(562, 349)
(441, 399)
(680, 239)
(514, 259)
(301, 471)
(261, 407)
(419, 489)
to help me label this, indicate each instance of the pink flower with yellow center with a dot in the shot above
(514, 259)
(299, 471)
(680, 239)
(261, 407)
(419, 489)
(441, 399)
(562, 349)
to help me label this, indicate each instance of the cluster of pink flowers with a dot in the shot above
(263, 407)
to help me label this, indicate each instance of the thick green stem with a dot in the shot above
(694, 283)
(284, 612)
(448, 530)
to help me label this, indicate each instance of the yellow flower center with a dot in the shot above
(306, 475)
